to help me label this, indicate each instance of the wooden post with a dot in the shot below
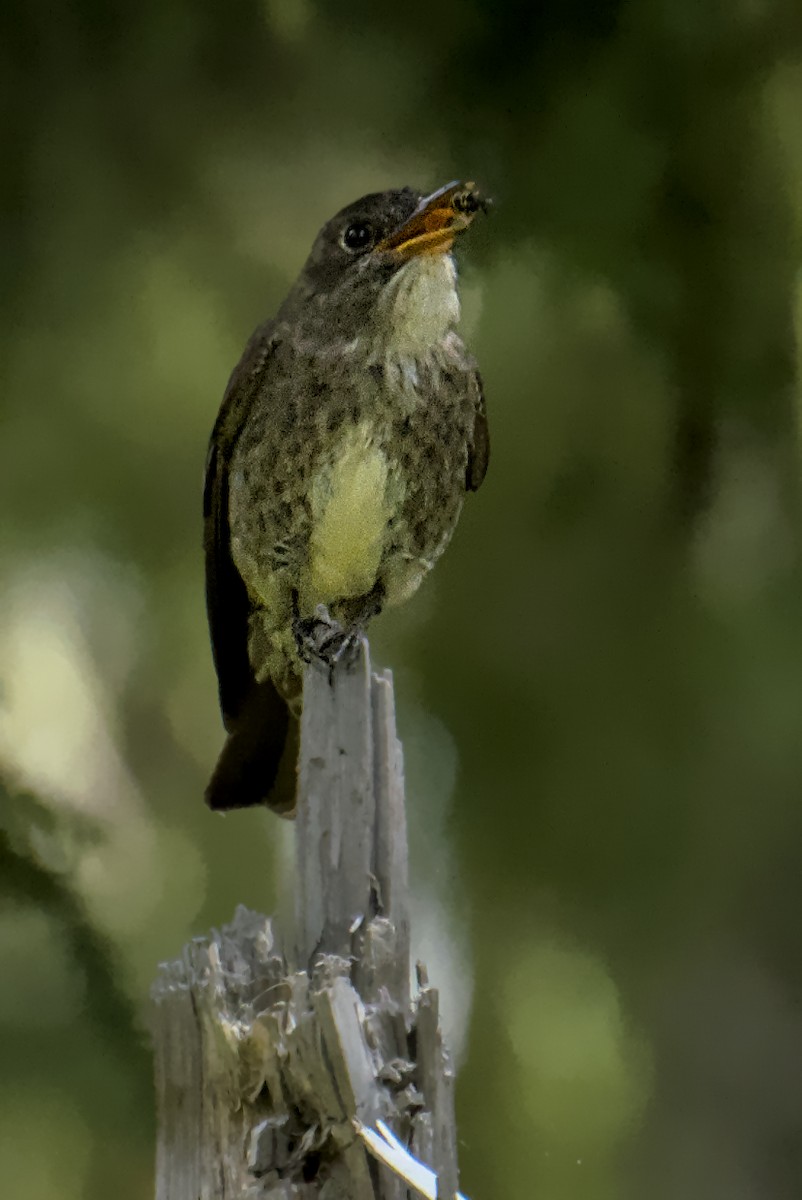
(289, 1060)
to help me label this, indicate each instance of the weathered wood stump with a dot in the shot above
(286, 1056)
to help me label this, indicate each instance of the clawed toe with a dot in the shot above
(340, 646)
(313, 633)
(321, 637)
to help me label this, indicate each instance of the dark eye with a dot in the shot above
(357, 236)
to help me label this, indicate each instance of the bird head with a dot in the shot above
(385, 261)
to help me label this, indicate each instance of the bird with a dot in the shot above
(349, 434)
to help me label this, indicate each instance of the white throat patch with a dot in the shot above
(423, 302)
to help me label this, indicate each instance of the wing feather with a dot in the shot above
(479, 449)
(227, 602)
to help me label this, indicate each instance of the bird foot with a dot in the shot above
(323, 638)
(312, 633)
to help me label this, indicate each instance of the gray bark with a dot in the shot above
(275, 1047)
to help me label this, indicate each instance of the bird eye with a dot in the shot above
(357, 236)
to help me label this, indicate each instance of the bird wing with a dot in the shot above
(227, 601)
(479, 449)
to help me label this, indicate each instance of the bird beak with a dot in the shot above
(435, 222)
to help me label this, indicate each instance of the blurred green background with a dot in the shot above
(600, 688)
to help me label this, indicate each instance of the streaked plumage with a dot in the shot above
(349, 433)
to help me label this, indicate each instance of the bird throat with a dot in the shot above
(419, 306)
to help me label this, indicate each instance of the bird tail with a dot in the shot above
(259, 760)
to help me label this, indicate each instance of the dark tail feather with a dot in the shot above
(258, 763)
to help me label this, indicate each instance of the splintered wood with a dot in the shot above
(292, 1062)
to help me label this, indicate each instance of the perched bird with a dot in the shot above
(349, 433)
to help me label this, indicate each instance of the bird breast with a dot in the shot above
(352, 501)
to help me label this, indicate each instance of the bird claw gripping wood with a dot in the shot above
(320, 638)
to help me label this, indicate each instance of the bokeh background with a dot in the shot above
(600, 689)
